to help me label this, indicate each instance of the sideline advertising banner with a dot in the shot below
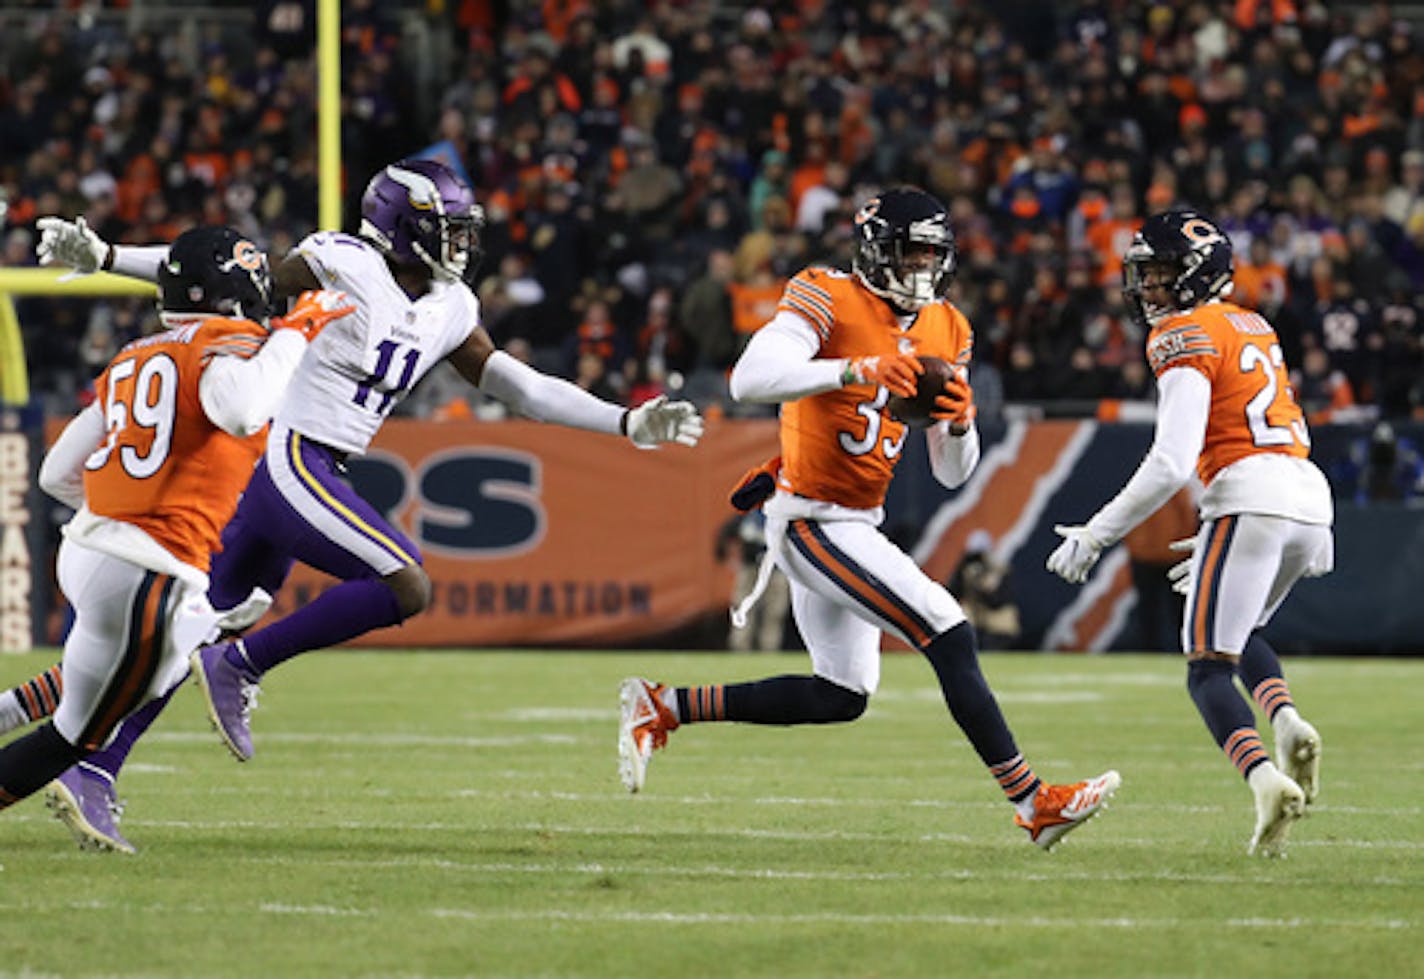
(539, 535)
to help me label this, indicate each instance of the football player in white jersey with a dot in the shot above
(407, 271)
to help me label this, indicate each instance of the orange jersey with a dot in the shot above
(1253, 408)
(841, 446)
(164, 466)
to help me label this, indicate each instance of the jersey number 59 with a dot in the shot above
(154, 407)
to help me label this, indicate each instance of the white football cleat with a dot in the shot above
(643, 727)
(1279, 803)
(1298, 755)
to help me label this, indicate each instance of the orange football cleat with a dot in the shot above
(644, 725)
(1058, 809)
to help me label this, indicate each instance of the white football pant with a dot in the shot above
(848, 584)
(133, 631)
(1243, 568)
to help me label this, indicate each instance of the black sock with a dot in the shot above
(956, 662)
(1260, 670)
(1227, 714)
(775, 700)
(30, 762)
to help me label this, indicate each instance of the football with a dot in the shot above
(915, 411)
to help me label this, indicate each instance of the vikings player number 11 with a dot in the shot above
(386, 353)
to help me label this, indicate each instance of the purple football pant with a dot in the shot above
(298, 508)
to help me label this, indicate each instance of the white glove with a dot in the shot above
(1180, 574)
(1075, 557)
(661, 420)
(71, 243)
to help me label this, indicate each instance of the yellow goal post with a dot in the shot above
(14, 379)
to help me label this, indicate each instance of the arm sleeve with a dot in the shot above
(778, 363)
(62, 472)
(1185, 401)
(138, 261)
(548, 399)
(240, 395)
(952, 457)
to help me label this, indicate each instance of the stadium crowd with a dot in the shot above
(653, 173)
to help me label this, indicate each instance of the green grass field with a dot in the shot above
(435, 814)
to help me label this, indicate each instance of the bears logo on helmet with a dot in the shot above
(214, 269)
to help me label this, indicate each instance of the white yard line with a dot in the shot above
(1016, 922)
(767, 873)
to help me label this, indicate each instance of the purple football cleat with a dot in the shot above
(84, 800)
(231, 694)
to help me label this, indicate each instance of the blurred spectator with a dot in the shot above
(661, 344)
(1322, 391)
(1381, 465)
(1260, 282)
(596, 351)
(706, 313)
(756, 287)
(981, 583)
(1109, 234)
(822, 199)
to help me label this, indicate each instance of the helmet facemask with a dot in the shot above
(910, 269)
(917, 273)
(1144, 273)
(458, 253)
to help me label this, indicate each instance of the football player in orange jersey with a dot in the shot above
(1225, 407)
(154, 468)
(839, 346)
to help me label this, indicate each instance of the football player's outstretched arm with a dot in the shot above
(62, 472)
(241, 394)
(559, 402)
(75, 244)
(1183, 405)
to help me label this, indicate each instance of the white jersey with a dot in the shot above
(363, 364)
